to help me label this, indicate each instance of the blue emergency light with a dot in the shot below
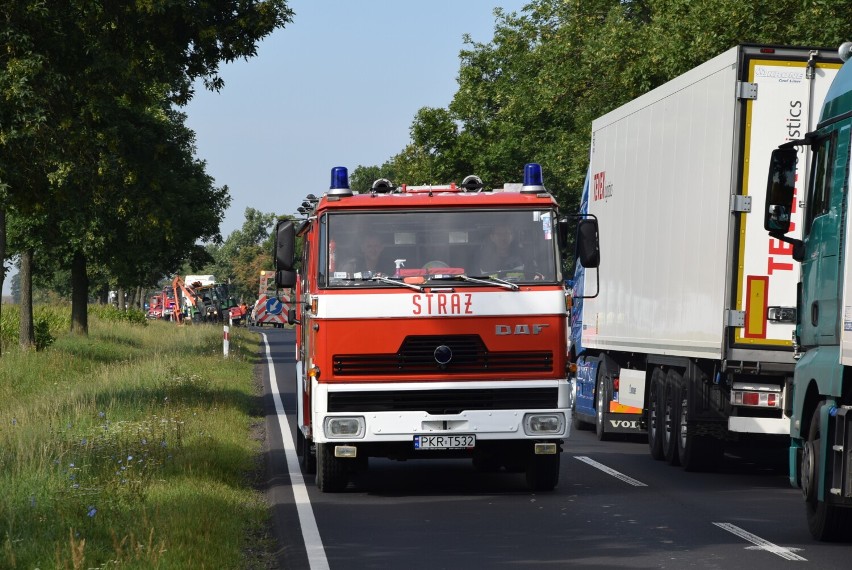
(339, 182)
(339, 178)
(532, 178)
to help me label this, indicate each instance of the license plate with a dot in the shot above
(444, 441)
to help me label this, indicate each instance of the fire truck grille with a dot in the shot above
(443, 402)
(421, 355)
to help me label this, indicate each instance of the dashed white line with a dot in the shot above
(610, 471)
(310, 532)
(781, 551)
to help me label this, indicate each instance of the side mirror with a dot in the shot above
(562, 235)
(588, 249)
(285, 246)
(780, 190)
(285, 279)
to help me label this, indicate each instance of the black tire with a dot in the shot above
(307, 455)
(669, 421)
(695, 452)
(602, 403)
(543, 472)
(332, 472)
(655, 396)
(826, 522)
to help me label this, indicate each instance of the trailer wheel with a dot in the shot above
(543, 472)
(332, 472)
(669, 421)
(826, 522)
(655, 397)
(601, 403)
(695, 452)
(307, 456)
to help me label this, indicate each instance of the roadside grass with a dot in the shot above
(132, 448)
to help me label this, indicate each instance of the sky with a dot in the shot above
(339, 86)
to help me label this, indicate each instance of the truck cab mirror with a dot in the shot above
(285, 246)
(780, 190)
(285, 278)
(588, 249)
(562, 236)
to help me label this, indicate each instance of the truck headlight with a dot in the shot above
(342, 426)
(544, 424)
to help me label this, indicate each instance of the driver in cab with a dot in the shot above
(500, 252)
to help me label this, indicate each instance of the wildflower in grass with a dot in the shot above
(92, 511)
(32, 501)
(101, 414)
(14, 421)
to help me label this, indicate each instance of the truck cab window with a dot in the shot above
(820, 190)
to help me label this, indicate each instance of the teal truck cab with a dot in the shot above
(821, 405)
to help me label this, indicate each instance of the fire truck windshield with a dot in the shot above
(375, 249)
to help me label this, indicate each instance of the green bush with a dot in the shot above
(114, 314)
(49, 321)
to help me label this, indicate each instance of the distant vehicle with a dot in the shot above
(271, 306)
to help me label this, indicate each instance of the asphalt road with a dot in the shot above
(614, 507)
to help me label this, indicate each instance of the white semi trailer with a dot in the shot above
(693, 323)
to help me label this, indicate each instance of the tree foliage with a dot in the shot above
(531, 93)
(99, 170)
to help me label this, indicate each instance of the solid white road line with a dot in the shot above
(781, 551)
(310, 532)
(609, 471)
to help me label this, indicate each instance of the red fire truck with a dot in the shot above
(449, 341)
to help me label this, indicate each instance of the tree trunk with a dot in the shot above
(140, 297)
(26, 332)
(120, 300)
(79, 295)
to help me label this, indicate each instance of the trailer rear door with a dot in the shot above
(783, 97)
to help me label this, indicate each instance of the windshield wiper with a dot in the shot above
(417, 288)
(485, 280)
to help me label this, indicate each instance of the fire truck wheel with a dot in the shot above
(543, 472)
(655, 396)
(826, 522)
(307, 456)
(670, 422)
(332, 472)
